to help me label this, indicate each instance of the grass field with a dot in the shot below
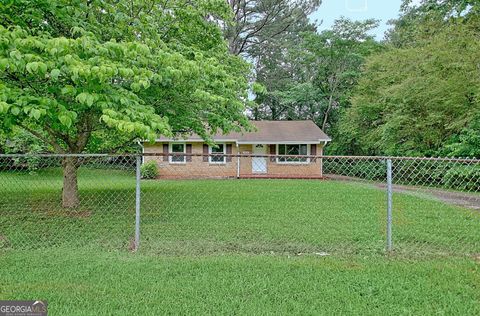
(234, 247)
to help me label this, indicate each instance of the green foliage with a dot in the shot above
(367, 170)
(149, 170)
(22, 142)
(464, 178)
(414, 101)
(425, 18)
(70, 69)
(411, 172)
(311, 75)
(466, 143)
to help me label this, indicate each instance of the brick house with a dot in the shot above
(278, 138)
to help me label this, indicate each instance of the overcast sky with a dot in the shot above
(383, 10)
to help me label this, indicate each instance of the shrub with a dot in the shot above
(463, 178)
(363, 169)
(420, 172)
(149, 170)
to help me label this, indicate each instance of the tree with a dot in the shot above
(71, 69)
(422, 20)
(256, 22)
(312, 78)
(338, 56)
(418, 100)
(276, 68)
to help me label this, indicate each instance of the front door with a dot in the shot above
(259, 164)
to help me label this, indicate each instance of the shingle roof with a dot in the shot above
(271, 132)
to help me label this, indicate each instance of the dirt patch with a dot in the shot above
(4, 242)
(457, 198)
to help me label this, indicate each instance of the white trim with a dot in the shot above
(268, 142)
(242, 142)
(224, 152)
(292, 162)
(188, 140)
(170, 151)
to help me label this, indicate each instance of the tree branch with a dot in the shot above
(55, 146)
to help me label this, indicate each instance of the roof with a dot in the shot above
(269, 132)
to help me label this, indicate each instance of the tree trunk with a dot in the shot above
(327, 112)
(70, 197)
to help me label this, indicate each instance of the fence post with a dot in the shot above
(238, 162)
(137, 202)
(389, 205)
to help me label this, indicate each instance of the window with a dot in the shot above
(176, 148)
(219, 149)
(292, 150)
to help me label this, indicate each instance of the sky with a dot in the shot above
(383, 10)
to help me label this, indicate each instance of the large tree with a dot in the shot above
(70, 69)
(419, 100)
(420, 20)
(312, 75)
(258, 22)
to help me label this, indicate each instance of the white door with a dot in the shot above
(259, 164)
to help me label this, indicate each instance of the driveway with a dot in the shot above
(458, 198)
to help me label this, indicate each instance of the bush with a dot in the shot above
(149, 170)
(363, 169)
(463, 178)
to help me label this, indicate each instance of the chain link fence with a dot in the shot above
(255, 204)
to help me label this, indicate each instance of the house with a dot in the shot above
(274, 140)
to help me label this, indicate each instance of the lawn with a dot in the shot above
(233, 247)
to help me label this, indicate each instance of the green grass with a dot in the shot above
(233, 247)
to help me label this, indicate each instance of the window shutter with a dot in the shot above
(188, 150)
(228, 151)
(313, 151)
(205, 153)
(165, 152)
(273, 151)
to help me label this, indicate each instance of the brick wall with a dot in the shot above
(197, 168)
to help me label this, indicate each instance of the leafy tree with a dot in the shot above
(337, 56)
(73, 70)
(415, 100)
(312, 78)
(276, 69)
(422, 20)
(466, 143)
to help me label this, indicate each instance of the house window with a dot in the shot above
(292, 150)
(177, 148)
(219, 149)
